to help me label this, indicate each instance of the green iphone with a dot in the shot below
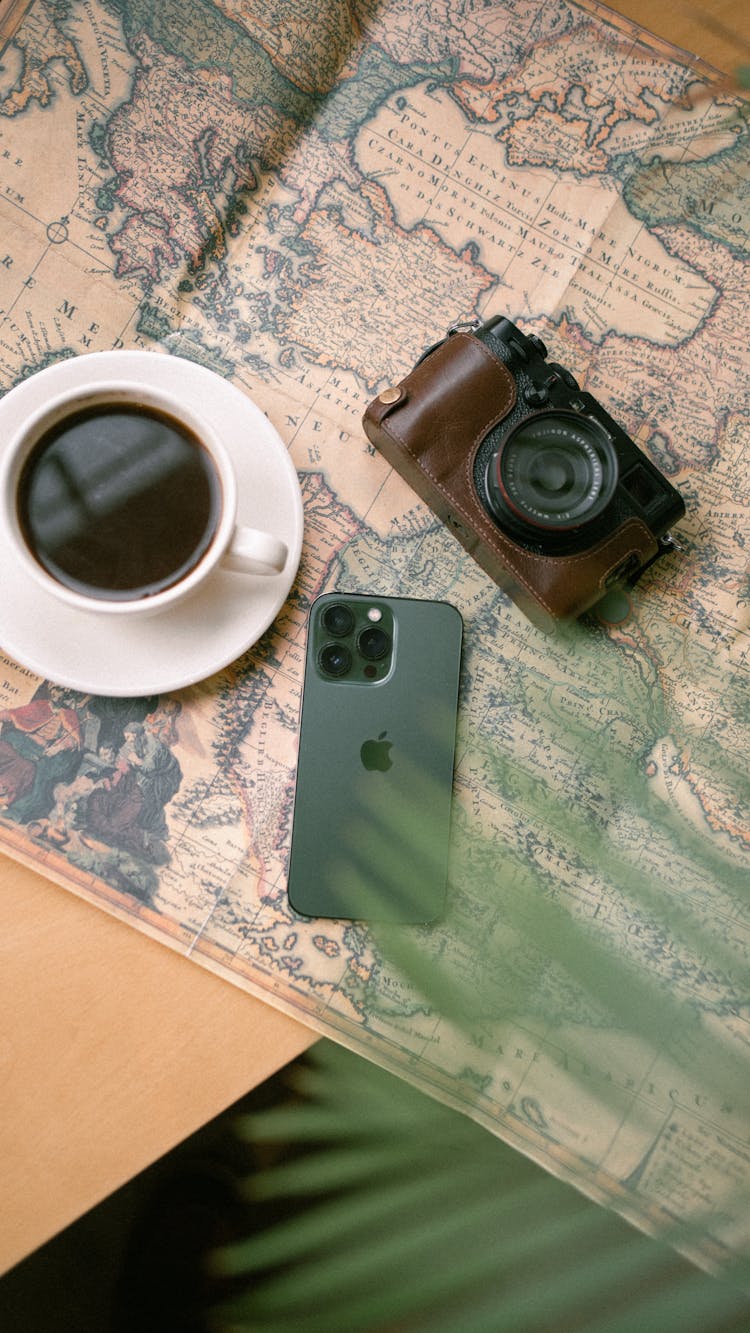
(375, 773)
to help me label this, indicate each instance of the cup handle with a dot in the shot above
(253, 552)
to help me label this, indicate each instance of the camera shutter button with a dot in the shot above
(536, 397)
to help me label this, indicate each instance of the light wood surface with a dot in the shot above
(113, 1048)
(717, 31)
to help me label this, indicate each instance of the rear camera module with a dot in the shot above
(353, 640)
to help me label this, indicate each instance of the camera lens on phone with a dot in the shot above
(335, 659)
(338, 619)
(555, 471)
(373, 643)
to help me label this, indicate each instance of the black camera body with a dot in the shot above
(530, 472)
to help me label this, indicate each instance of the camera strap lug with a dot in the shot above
(464, 326)
(665, 544)
(460, 326)
(670, 543)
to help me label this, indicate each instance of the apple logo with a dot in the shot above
(375, 754)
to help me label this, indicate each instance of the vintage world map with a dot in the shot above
(303, 207)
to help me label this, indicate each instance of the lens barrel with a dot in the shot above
(335, 659)
(373, 643)
(555, 472)
(338, 619)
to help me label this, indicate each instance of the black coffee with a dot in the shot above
(119, 501)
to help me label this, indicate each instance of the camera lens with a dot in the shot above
(338, 619)
(335, 659)
(555, 471)
(373, 643)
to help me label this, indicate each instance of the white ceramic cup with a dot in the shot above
(245, 550)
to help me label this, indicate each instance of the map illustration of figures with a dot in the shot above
(303, 207)
(92, 776)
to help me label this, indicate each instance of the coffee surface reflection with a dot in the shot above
(119, 501)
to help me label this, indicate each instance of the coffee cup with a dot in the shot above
(119, 499)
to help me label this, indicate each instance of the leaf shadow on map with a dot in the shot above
(605, 902)
(609, 809)
(498, 882)
(598, 886)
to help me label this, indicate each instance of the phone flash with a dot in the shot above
(374, 614)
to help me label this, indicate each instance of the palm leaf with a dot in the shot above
(398, 1213)
(402, 1214)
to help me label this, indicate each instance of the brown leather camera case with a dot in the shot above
(430, 427)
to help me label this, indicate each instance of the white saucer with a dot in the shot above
(224, 617)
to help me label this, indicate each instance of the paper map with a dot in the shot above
(303, 207)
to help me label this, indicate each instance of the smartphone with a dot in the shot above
(372, 808)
